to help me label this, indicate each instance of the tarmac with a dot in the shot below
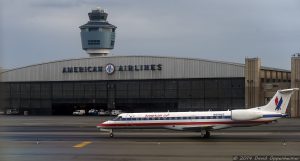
(71, 138)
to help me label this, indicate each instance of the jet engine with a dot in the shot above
(245, 115)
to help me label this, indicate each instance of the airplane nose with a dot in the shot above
(103, 125)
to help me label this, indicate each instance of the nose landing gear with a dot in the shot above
(111, 134)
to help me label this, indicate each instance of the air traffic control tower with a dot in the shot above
(97, 36)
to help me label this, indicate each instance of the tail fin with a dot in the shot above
(280, 101)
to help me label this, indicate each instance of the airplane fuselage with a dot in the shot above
(193, 121)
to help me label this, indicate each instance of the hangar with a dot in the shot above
(130, 83)
(140, 83)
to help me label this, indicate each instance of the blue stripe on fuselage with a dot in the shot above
(274, 115)
(173, 118)
(194, 118)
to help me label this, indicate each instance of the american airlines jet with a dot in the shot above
(203, 122)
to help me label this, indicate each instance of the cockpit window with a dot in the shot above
(117, 118)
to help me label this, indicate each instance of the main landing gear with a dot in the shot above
(205, 134)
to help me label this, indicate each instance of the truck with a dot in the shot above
(12, 111)
(93, 112)
(79, 112)
(116, 112)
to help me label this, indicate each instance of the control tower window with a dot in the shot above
(112, 43)
(84, 29)
(93, 42)
(94, 29)
(106, 29)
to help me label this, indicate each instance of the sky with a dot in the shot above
(38, 31)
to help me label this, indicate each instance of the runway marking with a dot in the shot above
(81, 145)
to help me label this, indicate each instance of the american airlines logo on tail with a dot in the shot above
(278, 104)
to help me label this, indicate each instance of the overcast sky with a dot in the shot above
(36, 31)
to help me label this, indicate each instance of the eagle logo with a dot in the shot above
(110, 68)
(278, 103)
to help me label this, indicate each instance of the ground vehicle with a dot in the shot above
(116, 112)
(103, 113)
(79, 112)
(93, 112)
(12, 111)
(204, 122)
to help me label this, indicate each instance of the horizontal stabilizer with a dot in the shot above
(288, 90)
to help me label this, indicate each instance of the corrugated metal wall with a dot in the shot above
(172, 68)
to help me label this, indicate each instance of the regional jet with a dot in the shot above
(203, 122)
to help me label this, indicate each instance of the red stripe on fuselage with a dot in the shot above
(181, 123)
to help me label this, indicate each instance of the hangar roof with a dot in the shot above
(171, 68)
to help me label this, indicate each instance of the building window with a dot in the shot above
(93, 42)
(112, 43)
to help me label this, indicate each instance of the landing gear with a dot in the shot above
(205, 134)
(111, 135)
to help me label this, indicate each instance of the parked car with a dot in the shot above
(116, 112)
(12, 111)
(103, 113)
(79, 112)
(93, 112)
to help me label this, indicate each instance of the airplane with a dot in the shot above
(203, 122)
